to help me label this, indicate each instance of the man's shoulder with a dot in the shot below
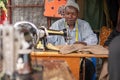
(82, 21)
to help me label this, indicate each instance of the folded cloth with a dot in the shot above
(52, 47)
(71, 48)
(95, 49)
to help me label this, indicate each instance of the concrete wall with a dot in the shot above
(32, 14)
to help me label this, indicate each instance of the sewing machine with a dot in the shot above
(16, 42)
(34, 35)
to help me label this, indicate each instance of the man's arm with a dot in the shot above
(88, 35)
(56, 39)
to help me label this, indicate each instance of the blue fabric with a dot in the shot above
(94, 61)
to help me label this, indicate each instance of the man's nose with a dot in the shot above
(70, 15)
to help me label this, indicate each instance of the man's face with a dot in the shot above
(71, 15)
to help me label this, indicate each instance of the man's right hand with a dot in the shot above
(78, 42)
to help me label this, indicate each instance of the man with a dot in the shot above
(116, 32)
(113, 60)
(79, 31)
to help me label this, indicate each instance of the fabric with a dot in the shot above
(104, 72)
(3, 12)
(113, 11)
(108, 20)
(89, 69)
(112, 35)
(95, 49)
(85, 33)
(104, 34)
(113, 59)
(71, 48)
(93, 13)
(3, 17)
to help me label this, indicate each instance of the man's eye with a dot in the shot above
(67, 13)
(74, 14)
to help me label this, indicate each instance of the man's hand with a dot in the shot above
(78, 42)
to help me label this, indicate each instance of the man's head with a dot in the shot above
(71, 12)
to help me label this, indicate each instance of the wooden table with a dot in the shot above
(72, 59)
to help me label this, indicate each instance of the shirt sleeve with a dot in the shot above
(88, 35)
(53, 38)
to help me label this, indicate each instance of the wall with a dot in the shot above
(28, 10)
